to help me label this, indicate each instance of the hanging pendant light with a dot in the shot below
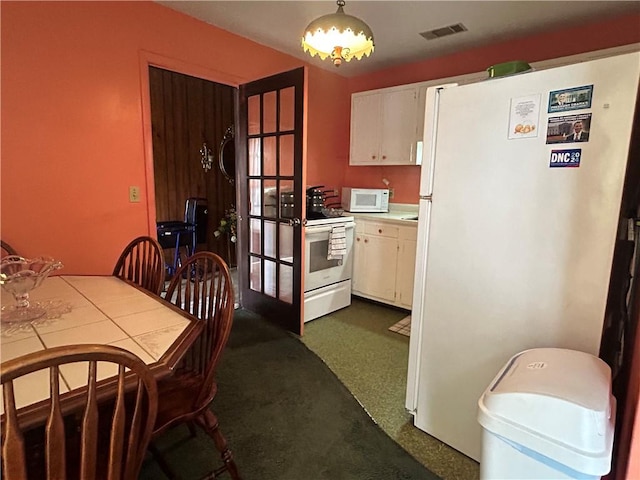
(339, 36)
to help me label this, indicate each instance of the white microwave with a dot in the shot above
(375, 200)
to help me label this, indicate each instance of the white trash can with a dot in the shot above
(548, 414)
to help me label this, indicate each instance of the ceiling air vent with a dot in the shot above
(444, 31)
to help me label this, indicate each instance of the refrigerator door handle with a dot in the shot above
(432, 104)
(426, 197)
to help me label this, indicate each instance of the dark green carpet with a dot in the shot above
(286, 417)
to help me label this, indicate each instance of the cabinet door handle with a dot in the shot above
(366, 241)
(384, 157)
(373, 157)
(379, 230)
(357, 239)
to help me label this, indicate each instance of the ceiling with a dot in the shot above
(397, 24)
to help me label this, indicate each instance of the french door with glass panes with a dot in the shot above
(269, 145)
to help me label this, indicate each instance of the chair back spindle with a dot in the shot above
(203, 288)
(142, 262)
(129, 425)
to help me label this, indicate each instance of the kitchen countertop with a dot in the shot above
(399, 213)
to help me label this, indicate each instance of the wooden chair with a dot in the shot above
(203, 288)
(7, 249)
(142, 262)
(91, 432)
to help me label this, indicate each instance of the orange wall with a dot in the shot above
(328, 143)
(633, 470)
(629, 435)
(405, 180)
(633, 403)
(72, 123)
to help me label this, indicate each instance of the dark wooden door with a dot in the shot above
(269, 147)
(186, 114)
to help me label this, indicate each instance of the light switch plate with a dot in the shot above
(134, 194)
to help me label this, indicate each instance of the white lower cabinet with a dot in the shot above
(384, 262)
(406, 268)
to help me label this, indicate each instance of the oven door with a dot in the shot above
(320, 272)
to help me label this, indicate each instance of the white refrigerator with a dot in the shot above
(516, 230)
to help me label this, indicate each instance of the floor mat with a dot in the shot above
(286, 416)
(403, 327)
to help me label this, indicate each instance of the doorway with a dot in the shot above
(176, 127)
(189, 120)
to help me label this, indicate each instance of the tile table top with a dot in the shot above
(104, 310)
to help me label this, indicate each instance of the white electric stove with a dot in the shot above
(327, 283)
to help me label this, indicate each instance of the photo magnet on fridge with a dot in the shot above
(569, 128)
(570, 99)
(565, 158)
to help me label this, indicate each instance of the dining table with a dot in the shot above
(99, 310)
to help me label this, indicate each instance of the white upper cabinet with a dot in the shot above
(386, 126)
(366, 112)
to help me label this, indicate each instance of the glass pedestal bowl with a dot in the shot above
(18, 276)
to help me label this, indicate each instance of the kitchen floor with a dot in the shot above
(371, 361)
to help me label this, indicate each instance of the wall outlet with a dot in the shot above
(134, 194)
(390, 193)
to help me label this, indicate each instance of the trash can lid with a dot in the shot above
(556, 402)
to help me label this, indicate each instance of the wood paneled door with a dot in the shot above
(186, 114)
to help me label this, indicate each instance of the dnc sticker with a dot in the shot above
(565, 158)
